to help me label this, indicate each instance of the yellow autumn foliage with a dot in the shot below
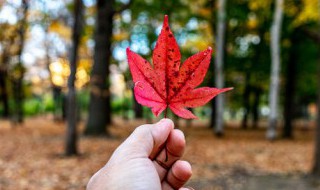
(120, 36)
(202, 40)
(60, 72)
(256, 5)
(252, 22)
(61, 29)
(309, 12)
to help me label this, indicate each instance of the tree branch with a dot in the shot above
(312, 34)
(124, 7)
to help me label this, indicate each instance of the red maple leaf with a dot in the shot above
(166, 84)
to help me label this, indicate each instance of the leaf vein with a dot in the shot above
(185, 82)
(148, 81)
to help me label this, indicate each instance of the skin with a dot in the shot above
(139, 162)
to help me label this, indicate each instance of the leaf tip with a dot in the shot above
(166, 22)
(166, 18)
(210, 50)
(227, 89)
(192, 116)
(195, 117)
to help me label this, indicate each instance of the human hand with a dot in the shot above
(139, 162)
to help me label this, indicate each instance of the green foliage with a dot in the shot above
(48, 104)
(83, 99)
(247, 44)
(32, 107)
(121, 105)
(307, 67)
(37, 105)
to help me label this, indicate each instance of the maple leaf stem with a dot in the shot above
(165, 112)
(166, 151)
(165, 146)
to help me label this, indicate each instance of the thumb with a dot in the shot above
(147, 140)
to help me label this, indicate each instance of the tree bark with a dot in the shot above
(57, 100)
(4, 92)
(289, 108)
(6, 46)
(246, 102)
(316, 163)
(17, 84)
(255, 107)
(212, 4)
(256, 87)
(71, 136)
(219, 80)
(138, 111)
(100, 101)
(213, 113)
(275, 69)
(100, 106)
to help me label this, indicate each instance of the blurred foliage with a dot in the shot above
(247, 58)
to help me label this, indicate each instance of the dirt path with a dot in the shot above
(264, 182)
(30, 157)
(275, 182)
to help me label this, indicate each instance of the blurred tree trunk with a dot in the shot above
(58, 102)
(100, 106)
(275, 69)
(316, 164)
(71, 136)
(219, 75)
(256, 88)
(255, 107)
(138, 111)
(4, 94)
(18, 75)
(213, 113)
(3, 83)
(212, 124)
(291, 75)
(6, 46)
(100, 102)
(246, 102)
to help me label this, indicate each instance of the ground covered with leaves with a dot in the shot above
(31, 156)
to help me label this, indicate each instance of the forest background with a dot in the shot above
(64, 76)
